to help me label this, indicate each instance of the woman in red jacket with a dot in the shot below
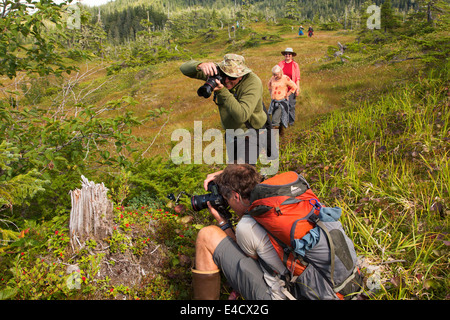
(292, 70)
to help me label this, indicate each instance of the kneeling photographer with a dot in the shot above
(235, 253)
(238, 94)
(282, 224)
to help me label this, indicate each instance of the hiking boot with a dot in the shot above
(206, 284)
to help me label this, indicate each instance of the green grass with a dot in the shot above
(387, 165)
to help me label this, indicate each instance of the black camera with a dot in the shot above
(207, 89)
(215, 198)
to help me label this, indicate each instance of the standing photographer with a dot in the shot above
(237, 93)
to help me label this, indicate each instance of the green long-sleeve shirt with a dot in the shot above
(236, 106)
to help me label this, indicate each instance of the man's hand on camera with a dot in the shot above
(210, 177)
(214, 213)
(208, 68)
(219, 86)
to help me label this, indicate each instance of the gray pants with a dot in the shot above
(242, 272)
(279, 109)
(292, 101)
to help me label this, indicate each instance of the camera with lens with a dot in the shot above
(207, 89)
(215, 198)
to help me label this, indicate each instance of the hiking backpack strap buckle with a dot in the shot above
(316, 204)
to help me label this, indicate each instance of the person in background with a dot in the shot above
(292, 70)
(280, 88)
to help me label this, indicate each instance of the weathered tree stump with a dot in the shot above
(92, 213)
(340, 53)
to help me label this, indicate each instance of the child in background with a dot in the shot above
(280, 87)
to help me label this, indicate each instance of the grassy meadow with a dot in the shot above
(386, 164)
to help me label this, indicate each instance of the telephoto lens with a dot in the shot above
(201, 202)
(214, 197)
(207, 89)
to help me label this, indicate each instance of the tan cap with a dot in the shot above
(233, 65)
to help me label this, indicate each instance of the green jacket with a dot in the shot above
(236, 106)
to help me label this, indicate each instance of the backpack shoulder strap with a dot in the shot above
(316, 220)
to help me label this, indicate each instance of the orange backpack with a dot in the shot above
(325, 268)
(282, 205)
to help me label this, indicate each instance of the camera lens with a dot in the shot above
(217, 201)
(205, 90)
(200, 202)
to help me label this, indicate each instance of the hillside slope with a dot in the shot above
(321, 90)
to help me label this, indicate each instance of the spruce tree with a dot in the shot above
(388, 19)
